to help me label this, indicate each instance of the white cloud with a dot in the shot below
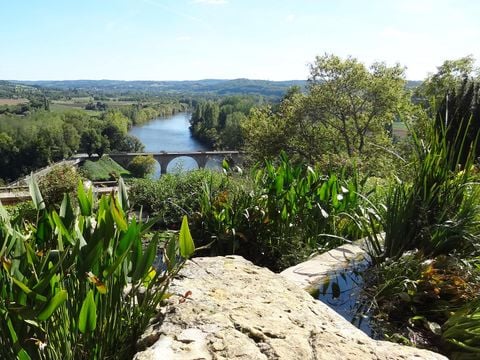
(210, 2)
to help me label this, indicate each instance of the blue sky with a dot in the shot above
(197, 39)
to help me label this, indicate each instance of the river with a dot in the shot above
(169, 133)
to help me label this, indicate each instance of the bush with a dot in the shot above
(414, 296)
(278, 215)
(173, 195)
(275, 216)
(437, 212)
(60, 180)
(22, 212)
(142, 166)
(78, 284)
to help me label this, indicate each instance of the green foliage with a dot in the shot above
(462, 332)
(437, 212)
(343, 119)
(24, 211)
(278, 215)
(142, 166)
(78, 284)
(62, 179)
(103, 169)
(34, 141)
(414, 297)
(218, 124)
(275, 216)
(448, 76)
(460, 114)
(173, 195)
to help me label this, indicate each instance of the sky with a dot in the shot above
(227, 39)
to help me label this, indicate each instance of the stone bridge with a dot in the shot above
(164, 157)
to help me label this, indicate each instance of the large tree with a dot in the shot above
(345, 114)
(448, 77)
(352, 102)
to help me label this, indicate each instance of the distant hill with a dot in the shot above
(207, 86)
(271, 89)
(14, 90)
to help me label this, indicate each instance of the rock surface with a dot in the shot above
(240, 311)
(312, 272)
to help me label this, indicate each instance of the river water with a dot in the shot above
(170, 133)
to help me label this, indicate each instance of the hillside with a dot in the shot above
(208, 86)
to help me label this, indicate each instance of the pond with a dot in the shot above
(341, 291)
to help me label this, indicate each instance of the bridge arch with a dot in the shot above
(165, 158)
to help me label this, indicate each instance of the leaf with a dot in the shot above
(87, 320)
(102, 289)
(21, 353)
(122, 195)
(62, 230)
(28, 291)
(37, 198)
(185, 241)
(118, 215)
(150, 276)
(53, 304)
(147, 260)
(84, 201)
(66, 211)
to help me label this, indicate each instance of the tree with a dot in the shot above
(231, 135)
(353, 102)
(116, 119)
(9, 153)
(90, 141)
(342, 118)
(447, 78)
(130, 143)
(141, 166)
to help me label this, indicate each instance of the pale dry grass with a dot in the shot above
(13, 101)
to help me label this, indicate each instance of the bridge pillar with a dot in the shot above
(201, 160)
(163, 160)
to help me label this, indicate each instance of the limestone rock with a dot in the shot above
(312, 272)
(240, 311)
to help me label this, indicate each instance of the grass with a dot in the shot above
(62, 107)
(103, 169)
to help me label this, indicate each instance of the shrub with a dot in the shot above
(437, 212)
(414, 296)
(22, 212)
(173, 195)
(62, 179)
(78, 284)
(142, 166)
(277, 215)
